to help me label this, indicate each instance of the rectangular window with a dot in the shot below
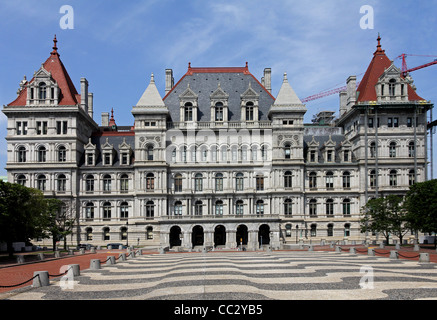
(390, 122)
(396, 122)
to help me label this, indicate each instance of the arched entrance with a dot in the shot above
(242, 234)
(264, 235)
(197, 236)
(175, 236)
(219, 236)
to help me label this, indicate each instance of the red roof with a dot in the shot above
(376, 68)
(54, 65)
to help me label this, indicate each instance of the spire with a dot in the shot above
(286, 95)
(151, 96)
(112, 120)
(55, 48)
(378, 47)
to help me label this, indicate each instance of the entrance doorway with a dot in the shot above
(242, 235)
(197, 236)
(219, 236)
(264, 235)
(175, 236)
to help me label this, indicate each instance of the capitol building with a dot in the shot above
(218, 160)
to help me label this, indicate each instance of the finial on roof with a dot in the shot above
(247, 64)
(285, 77)
(189, 65)
(112, 113)
(55, 48)
(152, 78)
(378, 47)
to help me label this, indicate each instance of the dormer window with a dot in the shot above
(391, 87)
(42, 91)
(188, 111)
(249, 111)
(219, 111)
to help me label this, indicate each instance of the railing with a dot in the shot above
(219, 216)
(218, 124)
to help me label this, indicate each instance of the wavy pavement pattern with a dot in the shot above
(289, 275)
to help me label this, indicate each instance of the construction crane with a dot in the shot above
(404, 69)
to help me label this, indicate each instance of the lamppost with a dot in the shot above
(297, 232)
(127, 234)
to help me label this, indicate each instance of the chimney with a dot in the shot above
(169, 80)
(105, 119)
(343, 102)
(84, 94)
(90, 104)
(351, 89)
(268, 79)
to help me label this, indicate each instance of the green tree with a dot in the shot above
(21, 214)
(421, 205)
(385, 215)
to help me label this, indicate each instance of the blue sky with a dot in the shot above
(116, 45)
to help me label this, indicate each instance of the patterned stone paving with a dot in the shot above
(277, 275)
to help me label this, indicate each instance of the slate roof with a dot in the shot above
(203, 81)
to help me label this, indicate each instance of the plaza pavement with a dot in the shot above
(249, 275)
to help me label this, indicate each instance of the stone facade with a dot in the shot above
(218, 161)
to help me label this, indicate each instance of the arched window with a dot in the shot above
(346, 207)
(239, 207)
(329, 180)
(107, 210)
(259, 182)
(313, 231)
(313, 207)
(41, 182)
(178, 183)
(21, 179)
(392, 150)
(347, 230)
(372, 178)
(287, 179)
(346, 179)
(21, 154)
(411, 149)
(188, 111)
(106, 234)
(150, 181)
(89, 183)
(149, 233)
(312, 180)
(219, 208)
(287, 151)
(198, 208)
(249, 111)
(62, 183)
(89, 234)
(62, 154)
(393, 176)
(198, 182)
(411, 177)
(391, 87)
(124, 210)
(239, 181)
(150, 209)
(42, 154)
(107, 183)
(219, 111)
(149, 153)
(219, 182)
(330, 230)
(42, 91)
(329, 207)
(260, 207)
(124, 183)
(123, 233)
(288, 207)
(184, 154)
(373, 150)
(89, 211)
(178, 208)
